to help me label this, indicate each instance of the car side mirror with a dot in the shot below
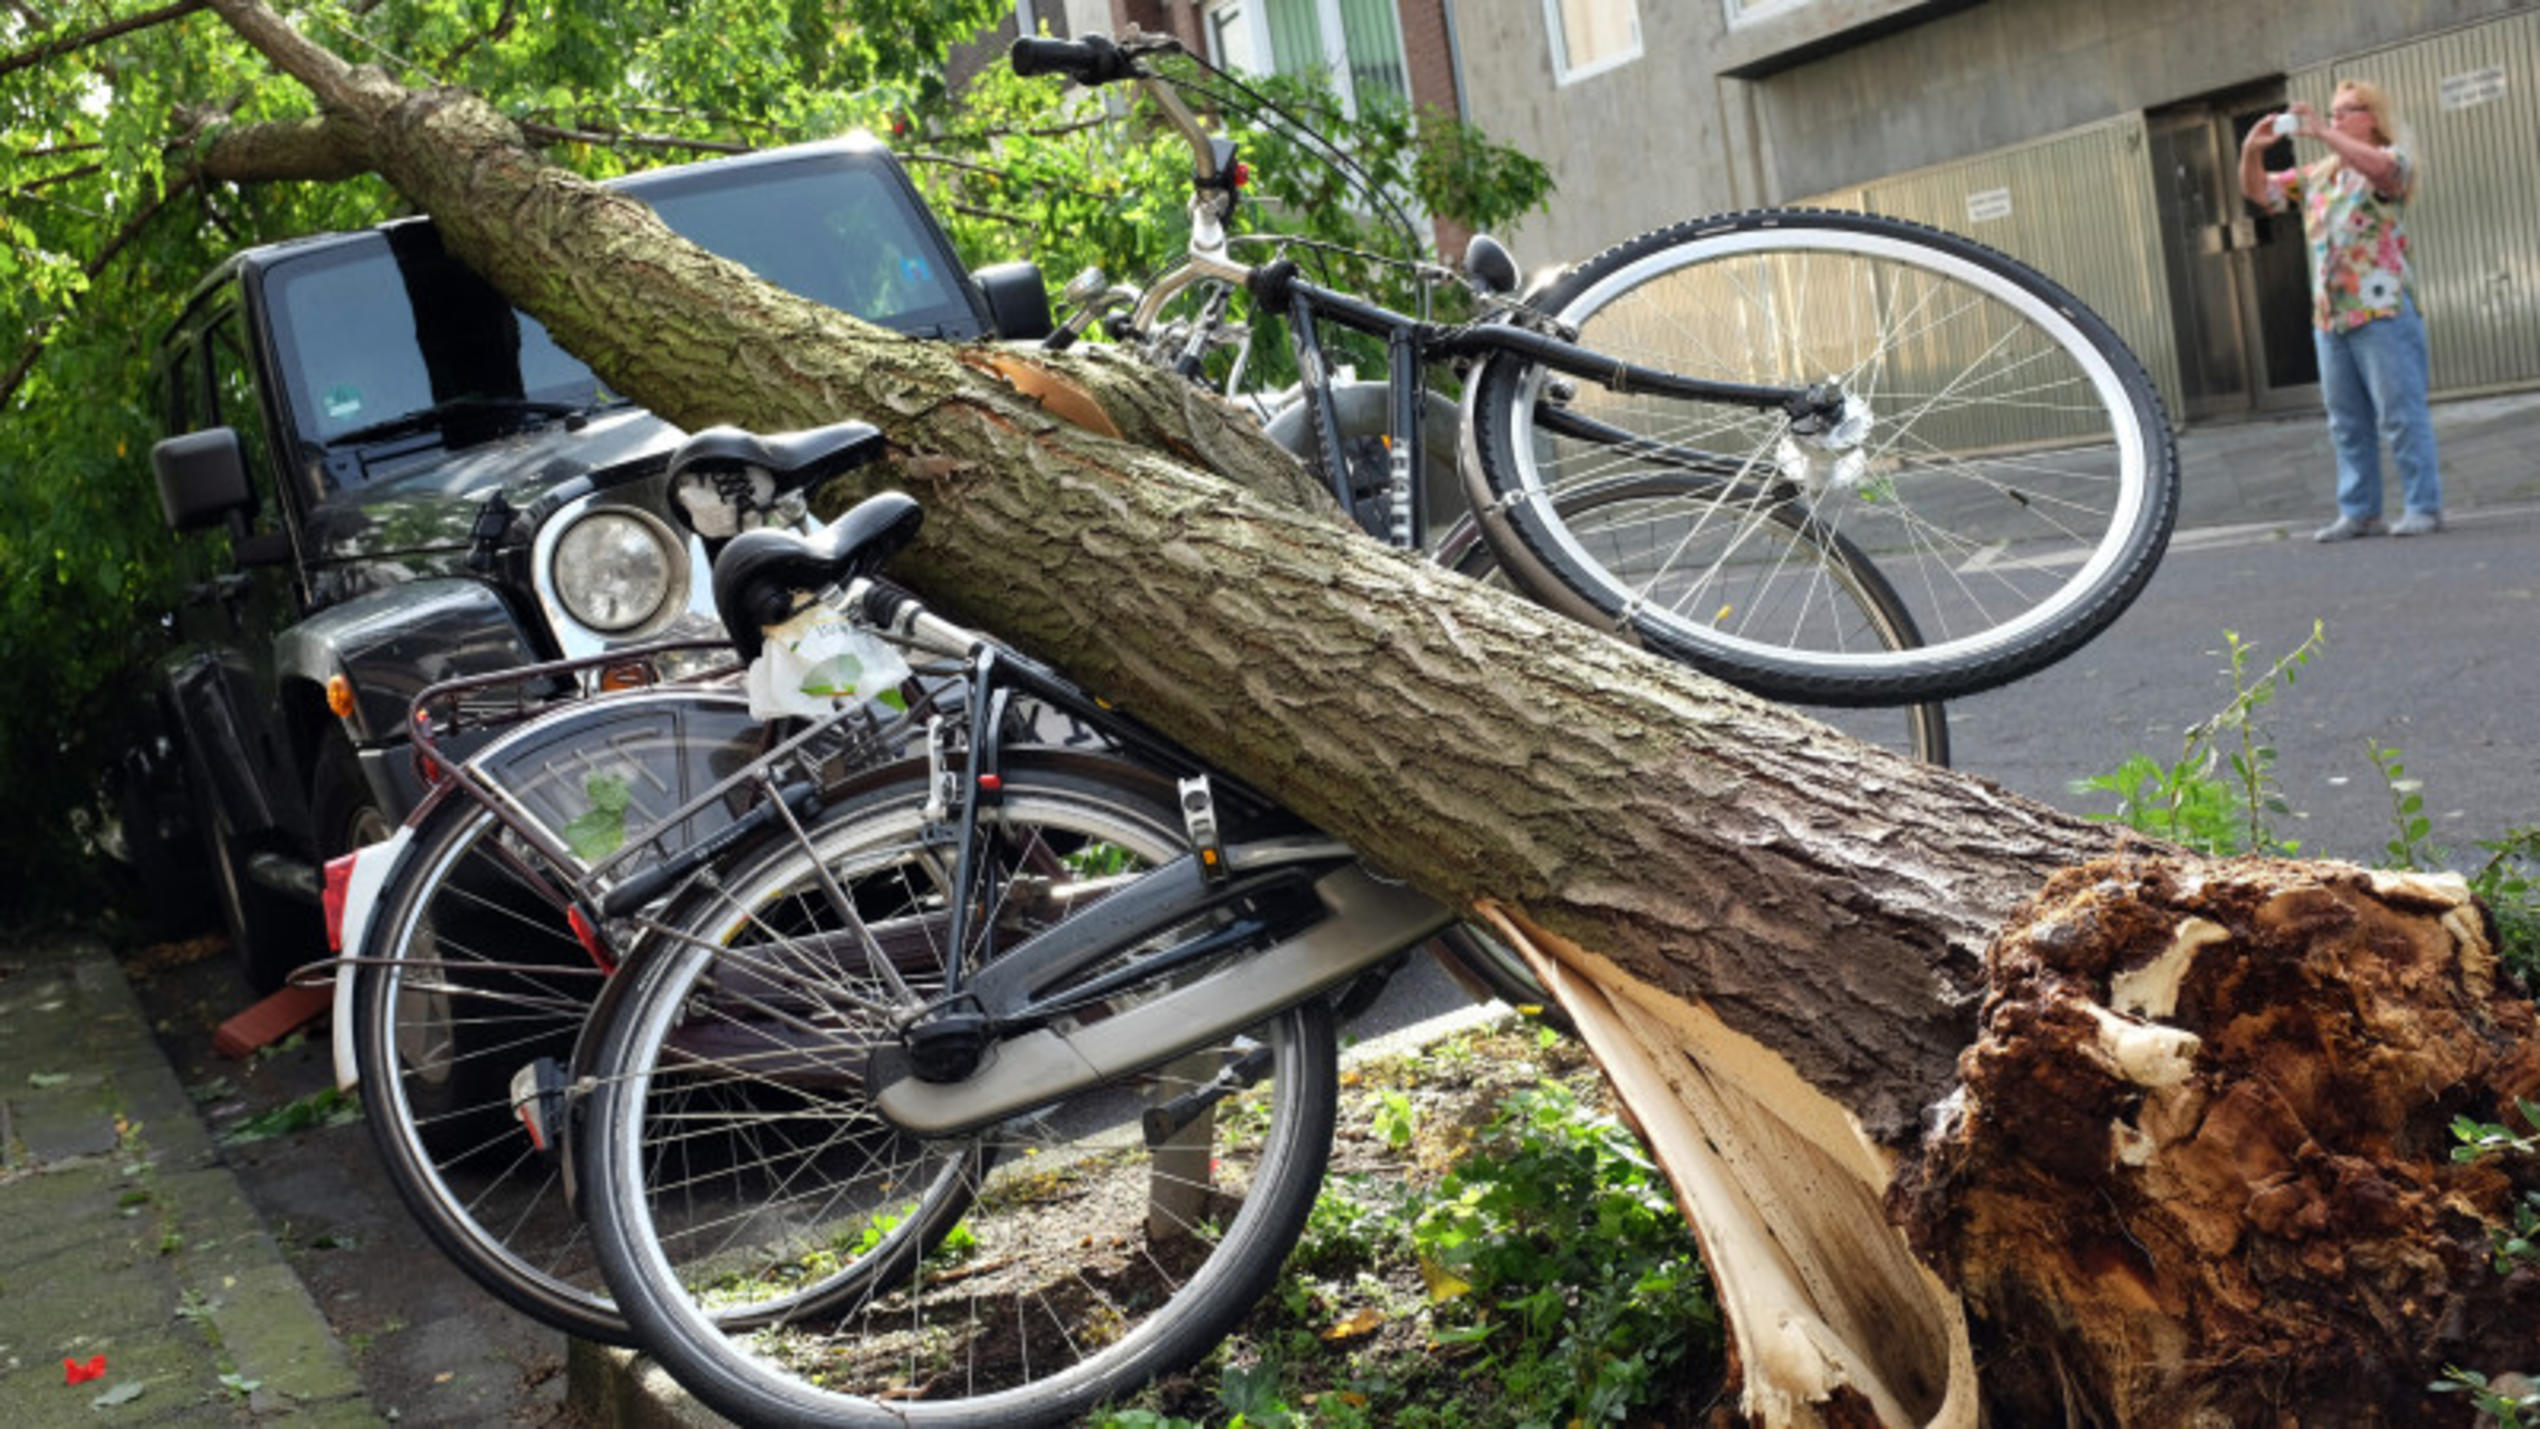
(202, 479)
(1018, 300)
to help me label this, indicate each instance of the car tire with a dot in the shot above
(270, 931)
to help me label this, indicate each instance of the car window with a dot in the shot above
(233, 395)
(376, 327)
(390, 324)
(842, 236)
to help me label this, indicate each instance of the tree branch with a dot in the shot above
(65, 176)
(319, 69)
(316, 150)
(114, 248)
(498, 32)
(54, 49)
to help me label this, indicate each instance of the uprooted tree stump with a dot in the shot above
(2164, 1142)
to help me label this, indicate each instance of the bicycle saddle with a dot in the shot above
(759, 572)
(794, 459)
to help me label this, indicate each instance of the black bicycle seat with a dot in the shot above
(793, 459)
(759, 573)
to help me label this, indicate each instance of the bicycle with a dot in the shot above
(999, 1090)
(471, 948)
(1813, 402)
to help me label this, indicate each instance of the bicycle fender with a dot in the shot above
(373, 865)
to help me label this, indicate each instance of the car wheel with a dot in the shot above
(271, 932)
(340, 798)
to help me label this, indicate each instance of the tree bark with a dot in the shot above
(1782, 944)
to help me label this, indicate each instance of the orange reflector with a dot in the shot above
(339, 696)
(633, 675)
(1208, 856)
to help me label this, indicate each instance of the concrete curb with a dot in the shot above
(128, 1237)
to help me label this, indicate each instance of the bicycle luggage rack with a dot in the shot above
(644, 861)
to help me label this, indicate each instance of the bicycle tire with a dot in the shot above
(471, 969)
(711, 1028)
(2002, 443)
(437, 1096)
(1883, 613)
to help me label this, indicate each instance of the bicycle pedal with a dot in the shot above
(1199, 820)
(538, 1101)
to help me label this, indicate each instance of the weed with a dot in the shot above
(1563, 1264)
(2219, 796)
(1395, 1122)
(2509, 1401)
(2509, 883)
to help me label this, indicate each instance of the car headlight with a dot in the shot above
(613, 569)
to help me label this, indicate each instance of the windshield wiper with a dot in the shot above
(455, 412)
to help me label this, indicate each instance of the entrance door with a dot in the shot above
(2239, 278)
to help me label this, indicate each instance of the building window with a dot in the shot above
(1592, 36)
(1747, 12)
(1358, 43)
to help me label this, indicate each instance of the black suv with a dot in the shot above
(376, 428)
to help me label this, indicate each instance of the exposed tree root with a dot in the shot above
(2200, 1172)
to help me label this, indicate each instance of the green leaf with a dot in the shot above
(124, 1393)
(46, 1081)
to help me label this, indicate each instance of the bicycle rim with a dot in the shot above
(479, 974)
(2003, 460)
(1020, 1274)
(1614, 515)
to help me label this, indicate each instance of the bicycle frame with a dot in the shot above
(1410, 343)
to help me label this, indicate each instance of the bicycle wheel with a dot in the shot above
(470, 973)
(1856, 607)
(1016, 1275)
(2002, 457)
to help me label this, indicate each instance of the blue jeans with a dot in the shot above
(2373, 378)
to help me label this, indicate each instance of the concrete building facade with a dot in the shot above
(2096, 139)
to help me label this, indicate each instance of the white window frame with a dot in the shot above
(1758, 11)
(1563, 73)
(1253, 16)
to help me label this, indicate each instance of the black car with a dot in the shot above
(374, 428)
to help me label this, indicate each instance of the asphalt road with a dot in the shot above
(2431, 645)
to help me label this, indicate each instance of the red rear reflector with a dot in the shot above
(590, 937)
(339, 877)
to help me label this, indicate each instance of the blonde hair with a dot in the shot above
(2385, 124)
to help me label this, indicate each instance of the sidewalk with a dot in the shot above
(122, 1235)
(2280, 469)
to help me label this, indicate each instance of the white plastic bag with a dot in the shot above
(819, 662)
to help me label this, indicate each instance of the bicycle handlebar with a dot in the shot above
(1089, 61)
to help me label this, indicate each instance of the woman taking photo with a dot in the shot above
(2364, 317)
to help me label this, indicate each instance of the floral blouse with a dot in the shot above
(2359, 247)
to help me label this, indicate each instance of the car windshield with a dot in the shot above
(377, 336)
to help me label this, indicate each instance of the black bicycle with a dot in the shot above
(1833, 458)
(975, 1088)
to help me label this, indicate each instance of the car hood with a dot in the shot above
(420, 509)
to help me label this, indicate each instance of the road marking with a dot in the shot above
(2219, 538)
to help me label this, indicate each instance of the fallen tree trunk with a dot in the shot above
(2172, 1132)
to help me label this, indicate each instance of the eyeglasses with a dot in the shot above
(2340, 111)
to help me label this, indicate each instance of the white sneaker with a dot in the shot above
(2417, 523)
(2347, 528)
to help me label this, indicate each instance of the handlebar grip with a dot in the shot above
(1091, 60)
